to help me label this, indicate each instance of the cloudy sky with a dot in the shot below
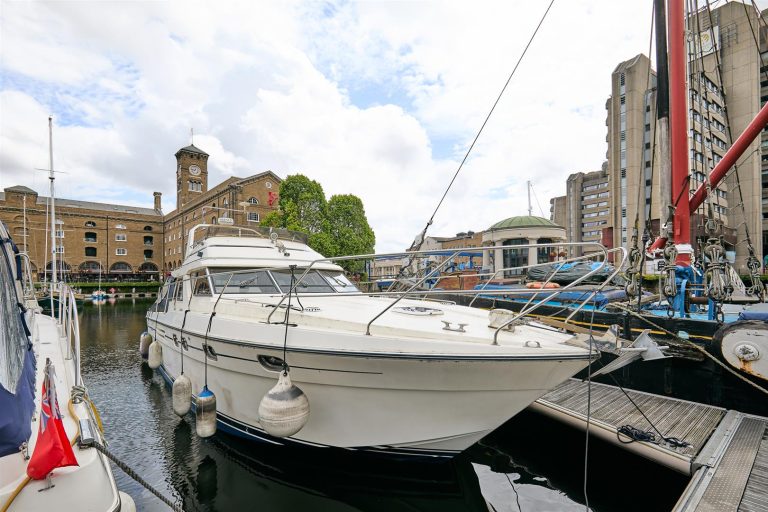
(378, 99)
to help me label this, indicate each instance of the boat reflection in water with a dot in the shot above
(228, 473)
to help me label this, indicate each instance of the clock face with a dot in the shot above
(194, 170)
(268, 184)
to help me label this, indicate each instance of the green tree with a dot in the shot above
(337, 227)
(302, 204)
(348, 227)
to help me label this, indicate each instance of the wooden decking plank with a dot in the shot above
(688, 421)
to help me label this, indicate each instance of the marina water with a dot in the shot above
(529, 464)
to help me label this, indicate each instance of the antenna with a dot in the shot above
(192, 136)
(530, 207)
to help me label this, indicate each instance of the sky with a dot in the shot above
(380, 99)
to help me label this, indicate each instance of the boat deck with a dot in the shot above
(727, 451)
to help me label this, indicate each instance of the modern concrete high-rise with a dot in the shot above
(585, 209)
(727, 87)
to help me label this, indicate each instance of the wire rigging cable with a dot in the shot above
(423, 235)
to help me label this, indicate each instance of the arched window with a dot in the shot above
(119, 226)
(90, 224)
(213, 220)
(147, 228)
(90, 267)
(253, 200)
(121, 267)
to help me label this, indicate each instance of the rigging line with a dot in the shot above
(728, 133)
(537, 200)
(517, 496)
(641, 172)
(695, 78)
(718, 207)
(469, 150)
(287, 317)
(589, 410)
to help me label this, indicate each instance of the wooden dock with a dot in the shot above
(726, 454)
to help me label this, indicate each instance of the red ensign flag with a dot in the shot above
(52, 449)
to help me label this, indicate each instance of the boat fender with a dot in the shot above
(284, 410)
(537, 285)
(205, 413)
(182, 395)
(155, 357)
(144, 341)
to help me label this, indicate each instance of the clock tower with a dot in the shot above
(191, 174)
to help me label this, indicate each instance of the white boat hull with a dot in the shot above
(429, 403)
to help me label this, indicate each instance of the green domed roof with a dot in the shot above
(524, 221)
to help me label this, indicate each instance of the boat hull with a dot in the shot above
(406, 404)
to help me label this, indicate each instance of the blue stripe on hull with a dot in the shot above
(236, 428)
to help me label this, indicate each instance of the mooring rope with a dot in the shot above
(695, 346)
(131, 473)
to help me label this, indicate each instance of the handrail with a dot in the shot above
(70, 326)
(569, 260)
(557, 292)
(601, 254)
(427, 276)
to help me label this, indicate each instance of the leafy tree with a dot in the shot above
(337, 227)
(302, 204)
(348, 227)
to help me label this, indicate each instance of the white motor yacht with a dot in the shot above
(381, 372)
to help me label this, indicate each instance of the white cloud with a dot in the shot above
(362, 97)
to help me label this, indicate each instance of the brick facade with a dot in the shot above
(131, 242)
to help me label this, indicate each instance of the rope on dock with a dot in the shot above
(131, 473)
(695, 346)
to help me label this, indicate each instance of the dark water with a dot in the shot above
(529, 464)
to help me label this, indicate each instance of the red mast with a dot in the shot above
(678, 128)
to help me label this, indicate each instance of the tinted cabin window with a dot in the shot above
(255, 281)
(200, 285)
(313, 282)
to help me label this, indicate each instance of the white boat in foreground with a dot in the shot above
(90, 484)
(380, 372)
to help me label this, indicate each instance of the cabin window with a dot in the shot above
(241, 281)
(339, 281)
(200, 284)
(313, 282)
(162, 299)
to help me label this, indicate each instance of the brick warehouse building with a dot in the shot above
(128, 242)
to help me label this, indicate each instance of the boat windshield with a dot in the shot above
(254, 281)
(339, 281)
(313, 282)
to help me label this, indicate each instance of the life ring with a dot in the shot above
(537, 285)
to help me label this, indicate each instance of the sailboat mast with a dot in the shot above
(54, 267)
(530, 208)
(662, 109)
(678, 127)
